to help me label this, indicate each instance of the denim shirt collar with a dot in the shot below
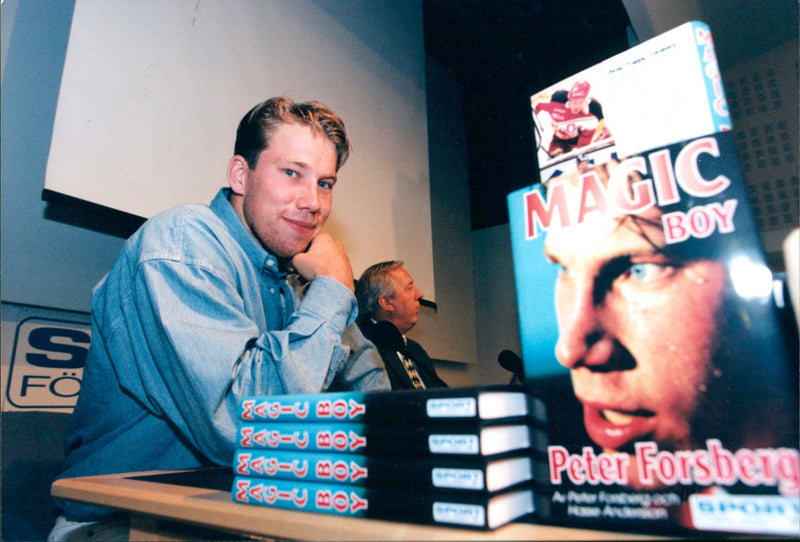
(261, 258)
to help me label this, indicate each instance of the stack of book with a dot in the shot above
(457, 456)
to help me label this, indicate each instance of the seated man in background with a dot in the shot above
(199, 311)
(388, 304)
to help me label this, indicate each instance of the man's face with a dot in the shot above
(404, 303)
(288, 196)
(637, 330)
(577, 105)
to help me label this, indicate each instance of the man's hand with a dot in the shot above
(325, 257)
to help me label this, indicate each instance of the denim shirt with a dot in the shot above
(193, 316)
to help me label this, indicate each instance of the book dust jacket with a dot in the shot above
(645, 303)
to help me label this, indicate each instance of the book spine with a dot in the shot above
(346, 438)
(466, 473)
(303, 437)
(345, 406)
(470, 439)
(336, 468)
(448, 403)
(310, 497)
(712, 78)
(357, 501)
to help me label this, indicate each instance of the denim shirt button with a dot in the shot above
(270, 262)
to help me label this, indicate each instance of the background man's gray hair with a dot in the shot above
(373, 284)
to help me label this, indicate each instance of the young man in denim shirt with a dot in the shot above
(199, 311)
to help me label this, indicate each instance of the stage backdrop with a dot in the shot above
(152, 92)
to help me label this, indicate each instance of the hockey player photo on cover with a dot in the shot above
(569, 121)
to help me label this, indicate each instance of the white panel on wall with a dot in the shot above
(764, 106)
(152, 92)
(43, 352)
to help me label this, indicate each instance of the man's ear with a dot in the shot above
(238, 170)
(385, 303)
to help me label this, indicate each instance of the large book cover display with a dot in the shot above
(460, 456)
(671, 394)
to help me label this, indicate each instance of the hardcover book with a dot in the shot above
(645, 304)
(410, 473)
(484, 403)
(384, 439)
(480, 510)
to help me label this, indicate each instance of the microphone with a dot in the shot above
(512, 363)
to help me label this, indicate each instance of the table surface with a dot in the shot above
(147, 494)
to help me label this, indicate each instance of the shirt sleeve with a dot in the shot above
(364, 369)
(323, 336)
(201, 350)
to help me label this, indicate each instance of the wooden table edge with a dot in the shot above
(217, 510)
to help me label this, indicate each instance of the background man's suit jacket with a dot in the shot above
(389, 341)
